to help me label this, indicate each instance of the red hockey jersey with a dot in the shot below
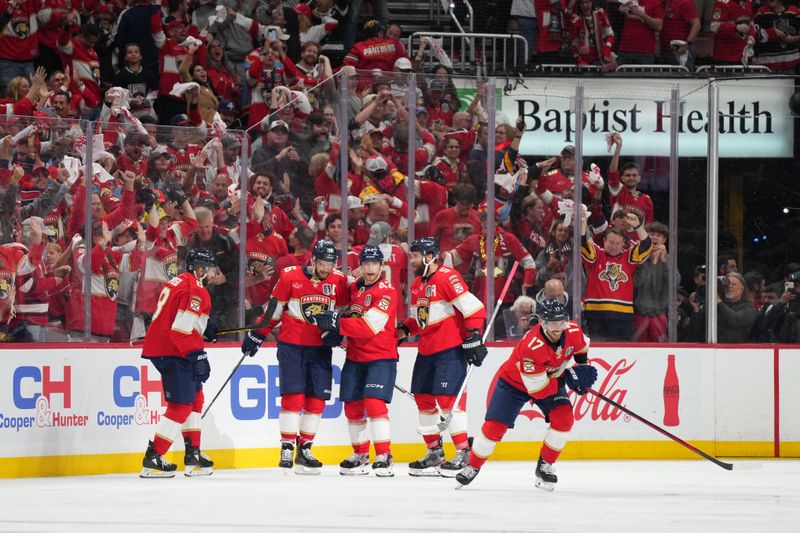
(609, 280)
(180, 320)
(636, 202)
(536, 362)
(370, 323)
(442, 309)
(14, 261)
(303, 295)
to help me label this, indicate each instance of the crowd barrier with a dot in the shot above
(85, 409)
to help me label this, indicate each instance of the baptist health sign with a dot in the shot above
(754, 119)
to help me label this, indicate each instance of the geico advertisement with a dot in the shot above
(70, 401)
(754, 118)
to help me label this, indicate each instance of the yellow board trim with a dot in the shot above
(130, 463)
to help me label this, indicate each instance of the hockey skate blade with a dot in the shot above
(544, 485)
(448, 473)
(424, 472)
(359, 471)
(384, 472)
(150, 473)
(305, 471)
(198, 471)
(747, 465)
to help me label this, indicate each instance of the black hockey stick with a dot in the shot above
(268, 312)
(265, 318)
(444, 421)
(701, 453)
(403, 390)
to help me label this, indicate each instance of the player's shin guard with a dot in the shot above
(485, 441)
(428, 416)
(357, 426)
(309, 422)
(561, 420)
(191, 427)
(169, 427)
(289, 417)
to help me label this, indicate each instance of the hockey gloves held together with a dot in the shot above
(328, 321)
(332, 339)
(201, 369)
(580, 378)
(252, 342)
(473, 350)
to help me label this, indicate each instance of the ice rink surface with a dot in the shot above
(591, 496)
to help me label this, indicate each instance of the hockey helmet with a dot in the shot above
(200, 257)
(425, 246)
(325, 250)
(370, 252)
(552, 310)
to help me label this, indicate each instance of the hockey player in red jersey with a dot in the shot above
(174, 344)
(448, 319)
(537, 370)
(370, 369)
(304, 357)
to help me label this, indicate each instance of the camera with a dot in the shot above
(722, 285)
(792, 283)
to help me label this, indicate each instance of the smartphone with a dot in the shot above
(788, 286)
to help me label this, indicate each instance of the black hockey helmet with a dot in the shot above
(200, 257)
(552, 310)
(426, 245)
(324, 250)
(370, 252)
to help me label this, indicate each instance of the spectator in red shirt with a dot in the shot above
(732, 25)
(377, 51)
(681, 23)
(643, 18)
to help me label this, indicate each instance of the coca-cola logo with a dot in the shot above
(590, 405)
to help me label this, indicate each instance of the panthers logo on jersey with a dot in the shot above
(314, 304)
(21, 28)
(423, 312)
(112, 285)
(356, 311)
(5, 288)
(614, 275)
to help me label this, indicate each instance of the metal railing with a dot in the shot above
(478, 48)
(731, 69)
(448, 7)
(673, 69)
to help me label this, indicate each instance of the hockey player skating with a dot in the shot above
(304, 357)
(174, 344)
(370, 369)
(538, 368)
(448, 319)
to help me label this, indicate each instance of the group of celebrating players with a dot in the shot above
(318, 307)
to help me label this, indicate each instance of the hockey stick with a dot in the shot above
(266, 317)
(701, 453)
(268, 312)
(404, 391)
(445, 421)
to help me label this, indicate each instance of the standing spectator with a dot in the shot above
(776, 45)
(555, 259)
(19, 42)
(623, 188)
(132, 26)
(78, 52)
(222, 74)
(524, 12)
(608, 300)
(681, 23)
(551, 15)
(354, 17)
(50, 18)
(207, 99)
(651, 289)
(642, 20)
(591, 36)
(238, 35)
(735, 311)
(133, 76)
(376, 51)
(731, 24)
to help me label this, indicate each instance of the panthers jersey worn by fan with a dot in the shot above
(370, 324)
(442, 309)
(609, 280)
(537, 362)
(636, 202)
(14, 261)
(303, 296)
(180, 320)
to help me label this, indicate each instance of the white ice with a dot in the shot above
(591, 496)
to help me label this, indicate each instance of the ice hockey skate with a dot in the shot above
(355, 465)
(459, 462)
(546, 478)
(154, 465)
(466, 476)
(196, 462)
(383, 465)
(287, 457)
(305, 463)
(427, 466)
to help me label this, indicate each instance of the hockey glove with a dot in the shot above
(580, 377)
(212, 329)
(200, 366)
(252, 342)
(175, 194)
(473, 350)
(328, 321)
(332, 339)
(146, 197)
(403, 333)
